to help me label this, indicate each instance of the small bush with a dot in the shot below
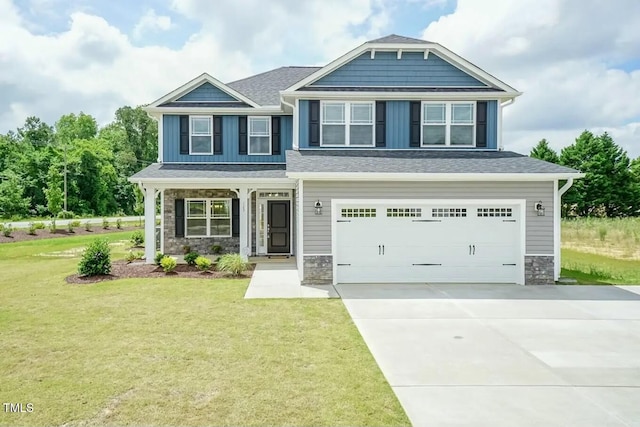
(186, 249)
(232, 263)
(158, 258)
(39, 225)
(134, 255)
(7, 230)
(87, 226)
(137, 238)
(191, 257)
(65, 215)
(168, 264)
(70, 227)
(203, 263)
(75, 223)
(52, 226)
(216, 249)
(119, 224)
(105, 223)
(96, 259)
(32, 229)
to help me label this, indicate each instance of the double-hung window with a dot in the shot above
(201, 135)
(208, 218)
(448, 123)
(347, 124)
(260, 135)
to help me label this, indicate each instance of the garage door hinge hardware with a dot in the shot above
(426, 264)
(509, 264)
(508, 220)
(343, 264)
(344, 220)
(426, 220)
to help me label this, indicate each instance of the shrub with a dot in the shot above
(32, 229)
(203, 263)
(52, 225)
(137, 238)
(158, 258)
(168, 264)
(7, 230)
(119, 224)
(216, 249)
(70, 227)
(191, 257)
(105, 223)
(186, 249)
(39, 225)
(87, 226)
(65, 215)
(232, 263)
(134, 255)
(96, 259)
(75, 223)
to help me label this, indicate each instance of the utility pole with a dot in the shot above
(65, 176)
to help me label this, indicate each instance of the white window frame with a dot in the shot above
(208, 216)
(268, 118)
(348, 124)
(448, 122)
(210, 118)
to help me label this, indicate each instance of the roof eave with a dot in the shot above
(399, 95)
(388, 176)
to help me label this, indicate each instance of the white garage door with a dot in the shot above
(437, 243)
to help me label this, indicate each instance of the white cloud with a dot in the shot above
(150, 22)
(560, 54)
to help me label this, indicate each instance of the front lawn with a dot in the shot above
(175, 351)
(594, 269)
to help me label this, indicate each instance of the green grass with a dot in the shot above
(589, 268)
(613, 237)
(175, 351)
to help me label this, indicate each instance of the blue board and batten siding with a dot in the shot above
(385, 69)
(207, 92)
(397, 126)
(230, 138)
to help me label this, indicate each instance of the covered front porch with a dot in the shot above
(216, 209)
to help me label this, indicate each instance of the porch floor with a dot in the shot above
(280, 280)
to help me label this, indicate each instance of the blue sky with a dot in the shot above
(94, 56)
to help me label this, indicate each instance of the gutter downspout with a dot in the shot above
(557, 199)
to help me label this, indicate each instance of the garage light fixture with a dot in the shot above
(539, 208)
(318, 207)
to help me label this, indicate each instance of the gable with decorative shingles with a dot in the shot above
(385, 69)
(207, 92)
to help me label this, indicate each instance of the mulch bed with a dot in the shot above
(124, 270)
(21, 235)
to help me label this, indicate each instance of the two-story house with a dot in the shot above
(386, 165)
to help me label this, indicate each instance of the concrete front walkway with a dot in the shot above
(280, 280)
(505, 355)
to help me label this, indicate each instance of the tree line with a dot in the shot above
(96, 161)
(611, 186)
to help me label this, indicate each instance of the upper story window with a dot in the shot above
(448, 123)
(347, 123)
(259, 135)
(201, 135)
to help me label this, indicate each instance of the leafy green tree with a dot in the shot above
(607, 188)
(542, 151)
(53, 192)
(12, 199)
(141, 133)
(36, 132)
(71, 127)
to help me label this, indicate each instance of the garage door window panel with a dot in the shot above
(358, 212)
(449, 212)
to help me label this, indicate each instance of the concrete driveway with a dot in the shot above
(505, 355)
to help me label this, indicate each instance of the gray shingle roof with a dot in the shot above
(265, 88)
(418, 161)
(217, 104)
(183, 170)
(394, 38)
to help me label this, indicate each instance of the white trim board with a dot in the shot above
(388, 176)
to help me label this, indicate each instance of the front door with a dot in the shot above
(278, 226)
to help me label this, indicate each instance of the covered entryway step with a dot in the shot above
(421, 242)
